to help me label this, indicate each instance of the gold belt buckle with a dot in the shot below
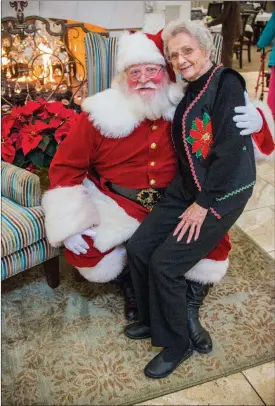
(148, 198)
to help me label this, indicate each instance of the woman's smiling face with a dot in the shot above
(187, 57)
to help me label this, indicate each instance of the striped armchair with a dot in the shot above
(101, 53)
(23, 242)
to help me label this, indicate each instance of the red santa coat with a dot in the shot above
(127, 150)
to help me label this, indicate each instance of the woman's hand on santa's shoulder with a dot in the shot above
(192, 219)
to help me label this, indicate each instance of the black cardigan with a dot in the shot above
(228, 147)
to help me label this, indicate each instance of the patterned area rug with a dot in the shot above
(66, 347)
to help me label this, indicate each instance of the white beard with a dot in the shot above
(165, 98)
(126, 110)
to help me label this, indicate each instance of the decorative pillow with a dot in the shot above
(100, 61)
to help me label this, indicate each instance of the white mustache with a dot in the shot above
(148, 85)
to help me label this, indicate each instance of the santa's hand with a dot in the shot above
(249, 118)
(76, 242)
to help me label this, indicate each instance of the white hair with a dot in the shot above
(195, 29)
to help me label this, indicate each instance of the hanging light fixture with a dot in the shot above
(36, 60)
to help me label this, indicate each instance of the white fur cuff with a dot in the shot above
(208, 271)
(116, 226)
(108, 268)
(68, 210)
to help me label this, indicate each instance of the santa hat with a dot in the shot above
(138, 47)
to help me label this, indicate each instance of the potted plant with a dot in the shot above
(31, 135)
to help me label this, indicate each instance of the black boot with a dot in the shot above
(137, 331)
(196, 292)
(167, 361)
(130, 305)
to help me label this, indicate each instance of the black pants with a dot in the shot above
(157, 264)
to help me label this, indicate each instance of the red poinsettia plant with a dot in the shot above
(31, 133)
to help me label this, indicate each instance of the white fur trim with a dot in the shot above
(110, 113)
(137, 48)
(108, 268)
(115, 225)
(208, 271)
(176, 92)
(270, 122)
(175, 95)
(68, 210)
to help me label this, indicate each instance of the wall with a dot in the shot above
(114, 15)
(109, 14)
(165, 11)
(179, 9)
(200, 3)
(171, 13)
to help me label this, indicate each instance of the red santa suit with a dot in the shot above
(111, 142)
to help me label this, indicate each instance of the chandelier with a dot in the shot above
(37, 60)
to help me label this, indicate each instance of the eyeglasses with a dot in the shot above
(134, 74)
(184, 51)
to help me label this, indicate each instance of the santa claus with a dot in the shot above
(114, 166)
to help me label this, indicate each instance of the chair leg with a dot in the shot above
(249, 53)
(51, 269)
(241, 57)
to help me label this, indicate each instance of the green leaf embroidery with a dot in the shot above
(206, 119)
(198, 153)
(190, 140)
(194, 127)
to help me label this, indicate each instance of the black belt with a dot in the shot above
(145, 197)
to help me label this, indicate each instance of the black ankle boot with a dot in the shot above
(196, 292)
(130, 305)
(137, 331)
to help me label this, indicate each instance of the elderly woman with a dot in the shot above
(215, 179)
